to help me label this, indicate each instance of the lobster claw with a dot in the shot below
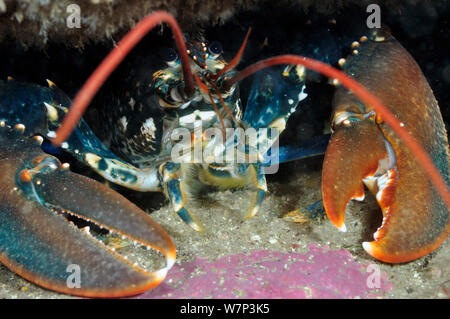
(363, 149)
(38, 243)
(352, 156)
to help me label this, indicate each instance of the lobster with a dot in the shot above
(181, 97)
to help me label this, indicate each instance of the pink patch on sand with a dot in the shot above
(320, 273)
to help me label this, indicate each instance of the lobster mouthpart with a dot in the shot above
(38, 243)
(364, 149)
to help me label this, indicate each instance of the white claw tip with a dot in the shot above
(367, 247)
(376, 235)
(343, 228)
(161, 274)
(170, 262)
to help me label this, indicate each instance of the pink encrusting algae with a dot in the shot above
(320, 273)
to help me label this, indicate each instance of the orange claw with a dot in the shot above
(343, 170)
(365, 148)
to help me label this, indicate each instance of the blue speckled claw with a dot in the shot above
(38, 243)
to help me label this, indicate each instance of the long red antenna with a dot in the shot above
(366, 97)
(110, 63)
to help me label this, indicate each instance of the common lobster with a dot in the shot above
(406, 233)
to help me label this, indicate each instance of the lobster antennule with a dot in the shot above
(114, 58)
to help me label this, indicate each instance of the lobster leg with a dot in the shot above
(177, 180)
(258, 181)
(364, 148)
(38, 243)
(237, 176)
(174, 188)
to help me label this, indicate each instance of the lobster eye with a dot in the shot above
(215, 48)
(168, 54)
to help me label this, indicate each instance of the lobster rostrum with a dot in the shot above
(176, 102)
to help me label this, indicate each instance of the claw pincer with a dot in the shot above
(364, 149)
(37, 241)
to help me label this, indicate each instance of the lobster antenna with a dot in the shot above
(113, 59)
(236, 58)
(366, 97)
(205, 89)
